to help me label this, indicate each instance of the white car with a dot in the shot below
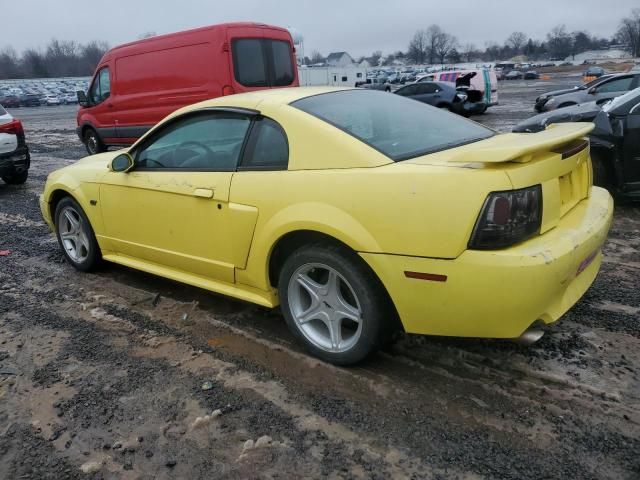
(14, 153)
(51, 100)
(70, 98)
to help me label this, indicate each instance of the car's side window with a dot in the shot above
(427, 88)
(197, 142)
(408, 91)
(101, 87)
(267, 147)
(617, 85)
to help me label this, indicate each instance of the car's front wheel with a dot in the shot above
(75, 235)
(334, 304)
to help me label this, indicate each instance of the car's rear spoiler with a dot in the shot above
(520, 147)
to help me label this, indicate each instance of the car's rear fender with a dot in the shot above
(314, 217)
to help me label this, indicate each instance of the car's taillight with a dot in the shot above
(14, 127)
(508, 218)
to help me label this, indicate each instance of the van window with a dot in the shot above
(249, 62)
(282, 64)
(260, 62)
(268, 148)
(101, 88)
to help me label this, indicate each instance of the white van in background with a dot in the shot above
(485, 81)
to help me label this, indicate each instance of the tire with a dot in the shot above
(388, 90)
(308, 274)
(92, 142)
(602, 172)
(16, 179)
(75, 236)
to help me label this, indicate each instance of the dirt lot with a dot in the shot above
(122, 375)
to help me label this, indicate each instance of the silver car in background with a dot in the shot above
(612, 87)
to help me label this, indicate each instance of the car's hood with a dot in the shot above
(91, 168)
(559, 92)
(584, 112)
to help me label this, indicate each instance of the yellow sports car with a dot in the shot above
(358, 212)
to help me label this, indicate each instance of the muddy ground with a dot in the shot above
(119, 374)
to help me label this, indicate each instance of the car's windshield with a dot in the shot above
(2, 111)
(592, 83)
(622, 99)
(398, 127)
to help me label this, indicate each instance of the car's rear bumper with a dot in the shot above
(15, 162)
(501, 293)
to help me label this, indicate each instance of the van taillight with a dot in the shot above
(227, 90)
(14, 127)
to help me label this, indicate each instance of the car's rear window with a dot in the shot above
(398, 127)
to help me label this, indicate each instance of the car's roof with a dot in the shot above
(273, 97)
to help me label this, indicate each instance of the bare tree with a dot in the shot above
(92, 53)
(433, 34)
(418, 47)
(445, 44)
(559, 42)
(469, 52)
(34, 64)
(629, 32)
(9, 63)
(316, 57)
(517, 40)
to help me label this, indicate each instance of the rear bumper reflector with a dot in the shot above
(432, 277)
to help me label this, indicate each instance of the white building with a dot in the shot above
(339, 59)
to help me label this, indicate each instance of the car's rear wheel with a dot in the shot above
(92, 142)
(333, 303)
(75, 235)
(17, 178)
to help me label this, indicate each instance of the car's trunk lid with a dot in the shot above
(556, 158)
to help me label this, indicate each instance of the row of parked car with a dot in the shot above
(612, 103)
(36, 93)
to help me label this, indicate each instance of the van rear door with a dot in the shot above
(261, 57)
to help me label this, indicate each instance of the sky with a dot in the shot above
(356, 26)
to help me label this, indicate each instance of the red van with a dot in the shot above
(138, 84)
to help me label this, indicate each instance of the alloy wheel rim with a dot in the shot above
(73, 235)
(325, 307)
(92, 143)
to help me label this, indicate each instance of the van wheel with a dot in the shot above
(92, 142)
(333, 304)
(16, 179)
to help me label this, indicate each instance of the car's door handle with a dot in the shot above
(203, 193)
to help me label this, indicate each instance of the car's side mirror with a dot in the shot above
(592, 90)
(82, 98)
(122, 163)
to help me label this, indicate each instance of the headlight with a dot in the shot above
(508, 218)
(551, 100)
